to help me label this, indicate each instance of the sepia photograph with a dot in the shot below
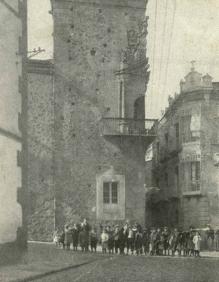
(109, 140)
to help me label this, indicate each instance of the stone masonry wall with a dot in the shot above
(40, 150)
(87, 55)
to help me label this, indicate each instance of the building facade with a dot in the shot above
(99, 129)
(41, 149)
(185, 157)
(13, 179)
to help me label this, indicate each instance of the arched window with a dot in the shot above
(139, 108)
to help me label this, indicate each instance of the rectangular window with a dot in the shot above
(186, 132)
(110, 192)
(114, 193)
(106, 192)
(195, 176)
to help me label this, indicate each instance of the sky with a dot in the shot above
(179, 31)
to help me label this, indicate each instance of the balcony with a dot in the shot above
(128, 127)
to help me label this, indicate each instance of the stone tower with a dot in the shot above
(100, 135)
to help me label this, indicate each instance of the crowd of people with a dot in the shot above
(130, 239)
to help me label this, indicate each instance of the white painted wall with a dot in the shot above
(10, 106)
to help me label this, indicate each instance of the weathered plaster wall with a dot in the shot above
(12, 73)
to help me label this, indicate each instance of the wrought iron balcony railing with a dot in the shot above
(195, 185)
(127, 126)
(192, 188)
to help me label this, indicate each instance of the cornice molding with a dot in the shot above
(134, 4)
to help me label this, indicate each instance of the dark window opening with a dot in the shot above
(121, 99)
(106, 193)
(110, 192)
(195, 176)
(177, 133)
(114, 193)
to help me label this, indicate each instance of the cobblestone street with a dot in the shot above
(46, 263)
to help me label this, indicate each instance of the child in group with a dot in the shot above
(93, 240)
(104, 240)
(56, 237)
(197, 244)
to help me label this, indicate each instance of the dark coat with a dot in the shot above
(138, 240)
(68, 237)
(83, 239)
(75, 235)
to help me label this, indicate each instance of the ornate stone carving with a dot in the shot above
(133, 38)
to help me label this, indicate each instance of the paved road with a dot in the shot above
(148, 269)
(44, 262)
